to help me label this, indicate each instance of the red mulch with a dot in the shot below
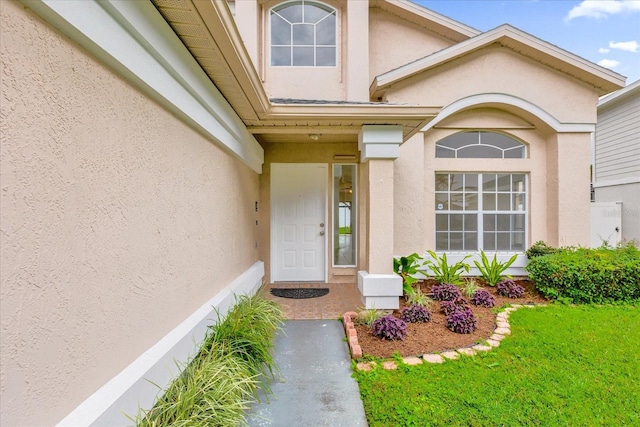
(434, 336)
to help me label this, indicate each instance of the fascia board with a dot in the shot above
(432, 16)
(620, 95)
(408, 112)
(133, 39)
(502, 33)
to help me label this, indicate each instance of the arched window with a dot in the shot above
(303, 33)
(480, 145)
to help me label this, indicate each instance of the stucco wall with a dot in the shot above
(117, 222)
(565, 98)
(388, 42)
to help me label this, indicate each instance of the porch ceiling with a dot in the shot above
(208, 31)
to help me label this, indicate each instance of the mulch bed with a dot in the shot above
(432, 337)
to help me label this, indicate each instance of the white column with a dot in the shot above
(380, 146)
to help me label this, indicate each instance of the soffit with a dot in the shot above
(604, 80)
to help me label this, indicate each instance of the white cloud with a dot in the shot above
(609, 63)
(599, 9)
(604, 50)
(630, 46)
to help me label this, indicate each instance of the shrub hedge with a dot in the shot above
(582, 275)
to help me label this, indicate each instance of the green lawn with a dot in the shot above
(562, 366)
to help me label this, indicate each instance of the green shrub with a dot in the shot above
(406, 267)
(539, 248)
(588, 275)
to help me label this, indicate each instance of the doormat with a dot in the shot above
(299, 293)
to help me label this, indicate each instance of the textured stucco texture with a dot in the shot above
(117, 222)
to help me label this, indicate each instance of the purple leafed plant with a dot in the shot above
(445, 292)
(507, 288)
(483, 298)
(415, 313)
(448, 307)
(389, 328)
(462, 321)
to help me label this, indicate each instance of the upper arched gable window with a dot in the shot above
(480, 145)
(303, 33)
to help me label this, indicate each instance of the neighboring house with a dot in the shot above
(160, 156)
(616, 162)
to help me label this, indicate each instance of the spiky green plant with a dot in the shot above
(445, 273)
(493, 272)
(418, 298)
(368, 316)
(469, 287)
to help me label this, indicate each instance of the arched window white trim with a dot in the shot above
(303, 34)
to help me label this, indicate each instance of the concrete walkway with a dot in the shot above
(315, 387)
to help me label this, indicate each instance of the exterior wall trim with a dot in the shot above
(134, 40)
(614, 182)
(133, 387)
(502, 98)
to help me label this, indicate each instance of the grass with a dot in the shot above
(219, 384)
(563, 365)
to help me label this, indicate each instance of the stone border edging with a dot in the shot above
(502, 329)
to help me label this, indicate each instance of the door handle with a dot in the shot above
(322, 233)
(322, 224)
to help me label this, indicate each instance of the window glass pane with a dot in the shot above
(292, 12)
(488, 182)
(504, 182)
(499, 140)
(326, 31)
(504, 202)
(456, 182)
(470, 241)
(444, 153)
(325, 56)
(470, 182)
(280, 56)
(302, 56)
(514, 153)
(518, 183)
(517, 243)
(456, 242)
(280, 30)
(457, 201)
(442, 222)
(489, 201)
(489, 222)
(489, 242)
(442, 181)
(442, 241)
(442, 201)
(344, 214)
(460, 139)
(455, 222)
(303, 34)
(313, 13)
(471, 222)
(503, 222)
(517, 222)
(503, 242)
(479, 152)
(472, 201)
(519, 202)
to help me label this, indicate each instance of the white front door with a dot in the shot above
(298, 221)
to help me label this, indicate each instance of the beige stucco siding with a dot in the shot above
(389, 45)
(118, 221)
(500, 70)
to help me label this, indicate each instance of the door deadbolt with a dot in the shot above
(322, 224)
(322, 233)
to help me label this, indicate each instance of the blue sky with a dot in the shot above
(606, 32)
